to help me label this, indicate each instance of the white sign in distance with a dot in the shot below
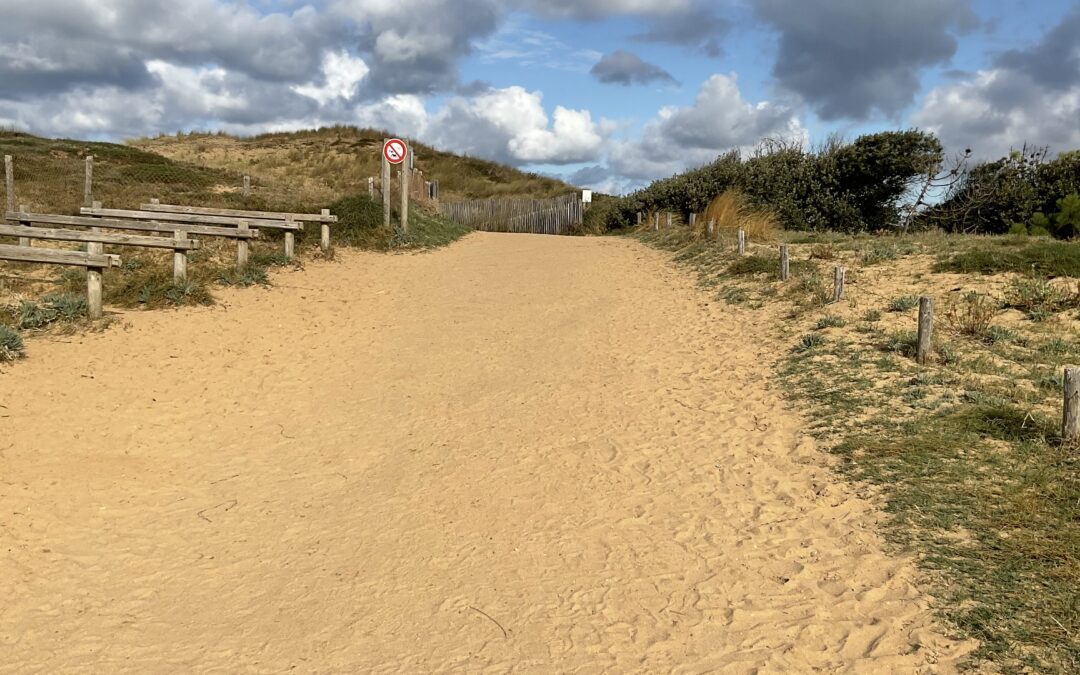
(586, 196)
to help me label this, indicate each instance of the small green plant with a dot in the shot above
(754, 264)
(872, 316)
(971, 314)
(903, 343)
(1038, 298)
(808, 342)
(56, 307)
(248, 276)
(999, 335)
(11, 344)
(879, 254)
(830, 321)
(903, 303)
(734, 295)
(1018, 229)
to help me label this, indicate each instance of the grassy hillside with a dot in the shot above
(339, 160)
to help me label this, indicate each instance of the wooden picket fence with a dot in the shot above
(560, 215)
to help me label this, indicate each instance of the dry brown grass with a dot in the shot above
(731, 211)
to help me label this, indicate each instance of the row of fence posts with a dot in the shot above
(1070, 425)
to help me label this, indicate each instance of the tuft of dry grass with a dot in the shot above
(971, 314)
(731, 211)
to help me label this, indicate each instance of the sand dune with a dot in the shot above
(518, 453)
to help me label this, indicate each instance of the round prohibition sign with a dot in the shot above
(395, 151)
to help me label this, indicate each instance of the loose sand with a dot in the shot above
(518, 453)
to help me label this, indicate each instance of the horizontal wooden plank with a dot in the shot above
(53, 234)
(239, 213)
(133, 225)
(190, 218)
(54, 256)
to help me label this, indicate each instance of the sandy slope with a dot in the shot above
(533, 453)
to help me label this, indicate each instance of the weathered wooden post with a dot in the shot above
(656, 222)
(242, 247)
(838, 283)
(693, 220)
(9, 182)
(385, 180)
(710, 227)
(668, 222)
(290, 239)
(24, 241)
(404, 176)
(785, 263)
(371, 187)
(742, 242)
(93, 277)
(1070, 424)
(88, 185)
(926, 330)
(179, 260)
(247, 186)
(639, 216)
(324, 238)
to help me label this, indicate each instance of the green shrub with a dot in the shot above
(1042, 258)
(830, 321)
(754, 264)
(1018, 229)
(808, 342)
(11, 344)
(54, 307)
(1037, 298)
(903, 303)
(872, 316)
(360, 223)
(1067, 219)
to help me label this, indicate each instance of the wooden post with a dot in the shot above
(404, 177)
(385, 179)
(93, 281)
(693, 219)
(95, 205)
(247, 186)
(785, 263)
(242, 247)
(668, 221)
(656, 223)
(88, 185)
(23, 241)
(324, 239)
(926, 330)
(742, 242)
(179, 260)
(710, 227)
(838, 284)
(639, 217)
(9, 182)
(1070, 424)
(371, 187)
(155, 201)
(290, 240)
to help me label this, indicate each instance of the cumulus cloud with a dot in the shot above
(1028, 95)
(626, 68)
(719, 120)
(850, 60)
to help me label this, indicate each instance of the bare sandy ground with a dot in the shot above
(519, 453)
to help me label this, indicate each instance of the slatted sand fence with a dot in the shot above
(527, 216)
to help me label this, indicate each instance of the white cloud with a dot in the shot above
(719, 120)
(342, 74)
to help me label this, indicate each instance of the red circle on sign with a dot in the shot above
(395, 151)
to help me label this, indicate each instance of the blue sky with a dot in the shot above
(607, 93)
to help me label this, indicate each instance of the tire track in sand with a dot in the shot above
(519, 453)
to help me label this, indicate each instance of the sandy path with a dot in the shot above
(533, 453)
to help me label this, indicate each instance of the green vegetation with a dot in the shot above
(31, 315)
(903, 303)
(993, 256)
(11, 344)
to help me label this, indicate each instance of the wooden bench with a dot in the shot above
(179, 244)
(324, 218)
(93, 260)
(290, 227)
